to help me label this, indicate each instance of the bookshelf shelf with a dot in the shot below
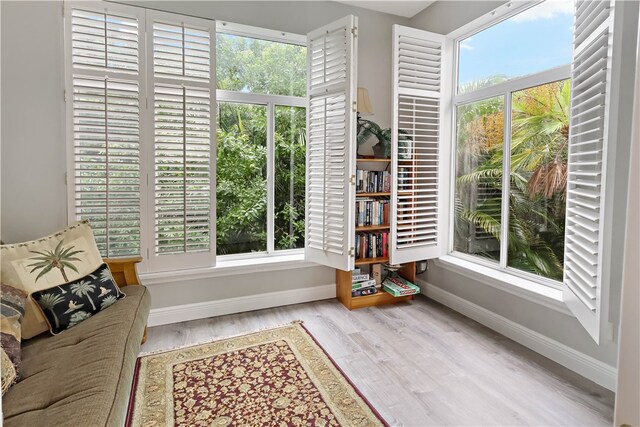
(367, 261)
(377, 299)
(374, 160)
(372, 227)
(373, 194)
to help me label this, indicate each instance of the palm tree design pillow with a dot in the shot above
(64, 306)
(67, 255)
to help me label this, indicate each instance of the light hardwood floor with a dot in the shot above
(420, 364)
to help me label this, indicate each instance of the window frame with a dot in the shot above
(504, 90)
(270, 102)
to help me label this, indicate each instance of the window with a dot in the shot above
(512, 114)
(559, 151)
(141, 114)
(261, 142)
(480, 130)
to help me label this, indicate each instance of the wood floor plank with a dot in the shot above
(420, 364)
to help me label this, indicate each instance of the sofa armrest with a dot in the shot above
(124, 270)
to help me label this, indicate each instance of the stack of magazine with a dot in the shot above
(362, 284)
(399, 286)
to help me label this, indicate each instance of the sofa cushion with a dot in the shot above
(67, 305)
(50, 261)
(83, 376)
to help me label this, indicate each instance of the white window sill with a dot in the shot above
(527, 289)
(231, 267)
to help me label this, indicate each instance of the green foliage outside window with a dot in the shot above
(538, 177)
(258, 66)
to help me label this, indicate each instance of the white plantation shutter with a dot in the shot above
(104, 41)
(180, 51)
(331, 145)
(103, 92)
(182, 181)
(419, 154)
(590, 90)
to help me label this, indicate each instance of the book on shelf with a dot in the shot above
(360, 278)
(372, 245)
(373, 181)
(404, 182)
(361, 285)
(398, 286)
(372, 212)
(364, 291)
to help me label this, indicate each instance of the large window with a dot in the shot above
(156, 168)
(261, 143)
(512, 111)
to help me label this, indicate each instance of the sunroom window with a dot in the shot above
(512, 114)
(261, 143)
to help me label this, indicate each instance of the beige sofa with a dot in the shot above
(83, 376)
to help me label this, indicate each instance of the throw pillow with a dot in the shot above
(12, 302)
(8, 372)
(67, 305)
(53, 260)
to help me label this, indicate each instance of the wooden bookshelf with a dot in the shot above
(343, 289)
(343, 278)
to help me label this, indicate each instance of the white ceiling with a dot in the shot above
(408, 9)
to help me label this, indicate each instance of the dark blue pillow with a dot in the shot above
(67, 305)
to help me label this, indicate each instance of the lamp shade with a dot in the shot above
(364, 103)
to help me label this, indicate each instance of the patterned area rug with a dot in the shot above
(276, 377)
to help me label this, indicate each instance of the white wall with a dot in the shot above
(627, 411)
(445, 17)
(33, 149)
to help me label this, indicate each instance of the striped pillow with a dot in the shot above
(12, 303)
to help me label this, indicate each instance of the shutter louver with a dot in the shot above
(182, 169)
(182, 83)
(330, 195)
(587, 147)
(104, 41)
(417, 152)
(106, 124)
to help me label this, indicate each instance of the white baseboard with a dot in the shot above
(202, 310)
(587, 366)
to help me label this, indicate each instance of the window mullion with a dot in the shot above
(270, 177)
(506, 182)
